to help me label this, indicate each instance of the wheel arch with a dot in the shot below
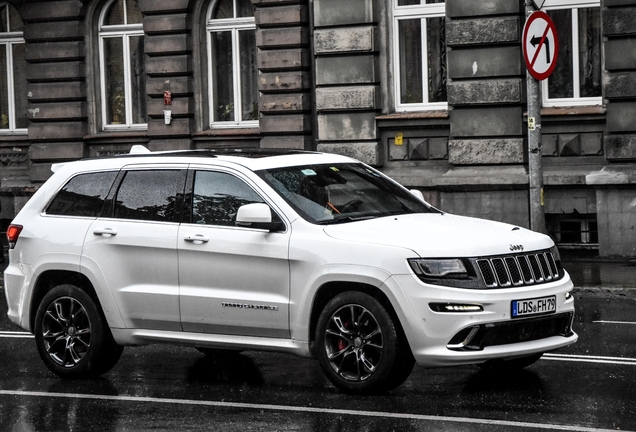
(49, 279)
(331, 289)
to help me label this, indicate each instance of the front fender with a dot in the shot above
(303, 299)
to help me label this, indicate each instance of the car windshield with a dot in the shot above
(337, 193)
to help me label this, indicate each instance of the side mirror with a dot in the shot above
(419, 195)
(258, 216)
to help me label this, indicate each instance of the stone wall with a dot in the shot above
(485, 85)
(56, 74)
(346, 67)
(169, 67)
(616, 182)
(284, 63)
(619, 27)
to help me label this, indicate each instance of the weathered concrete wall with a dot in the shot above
(284, 62)
(486, 120)
(503, 206)
(347, 95)
(619, 29)
(55, 55)
(616, 222)
(169, 67)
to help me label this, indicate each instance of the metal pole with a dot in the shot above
(535, 154)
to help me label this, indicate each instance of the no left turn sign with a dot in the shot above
(540, 45)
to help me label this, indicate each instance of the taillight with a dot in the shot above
(13, 232)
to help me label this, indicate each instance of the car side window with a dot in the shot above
(83, 195)
(153, 195)
(217, 197)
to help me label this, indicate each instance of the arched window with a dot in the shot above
(122, 66)
(13, 85)
(231, 40)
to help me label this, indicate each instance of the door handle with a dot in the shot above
(197, 239)
(106, 232)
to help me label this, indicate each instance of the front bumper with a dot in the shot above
(455, 338)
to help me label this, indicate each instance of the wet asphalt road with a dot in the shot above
(590, 386)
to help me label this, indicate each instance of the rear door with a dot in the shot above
(233, 280)
(132, 248)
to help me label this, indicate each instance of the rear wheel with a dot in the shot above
(359, 346)
(72, 336)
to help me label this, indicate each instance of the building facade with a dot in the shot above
(431, 92)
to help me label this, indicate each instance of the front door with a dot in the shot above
(233, 280)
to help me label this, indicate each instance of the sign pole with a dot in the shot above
(535, 154)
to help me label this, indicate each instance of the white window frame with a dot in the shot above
(9, 39)
(125, 32)
(423, 12)
(576, 100)
(234, 26)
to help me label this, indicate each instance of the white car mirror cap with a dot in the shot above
(257, 216)
(254, 213)
(419, 195)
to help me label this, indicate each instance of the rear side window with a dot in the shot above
(150, 195)
(83, 195)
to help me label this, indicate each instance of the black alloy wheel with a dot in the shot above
(71, 334)
(359, 346)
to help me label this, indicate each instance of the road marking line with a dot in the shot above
(14, 334)
(590, 359)
(239, 405)
(614, 322)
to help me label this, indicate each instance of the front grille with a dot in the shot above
(509, 332)
(519, 269)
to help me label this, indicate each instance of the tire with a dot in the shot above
(511, 365)
(72, 336)
(359, 346)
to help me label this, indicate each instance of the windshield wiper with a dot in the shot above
(345, 219)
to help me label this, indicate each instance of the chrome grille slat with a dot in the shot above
(518, 269)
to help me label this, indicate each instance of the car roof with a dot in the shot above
(252, 159)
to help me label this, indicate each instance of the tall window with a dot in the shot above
(419, 44)
(122, 65)
(576, 80)
(13, 85)
(233, 85)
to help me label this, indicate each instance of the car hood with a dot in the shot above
(442, 235)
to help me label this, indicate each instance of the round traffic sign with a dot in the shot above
(540, 45)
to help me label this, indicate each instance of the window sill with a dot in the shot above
(435, 114)
(224, 132)
(574, 110)
(10, 138)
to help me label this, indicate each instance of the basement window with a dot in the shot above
(573, 231)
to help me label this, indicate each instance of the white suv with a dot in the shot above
(306, 253)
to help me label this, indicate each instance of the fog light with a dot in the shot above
(453, 307)
(568, 295)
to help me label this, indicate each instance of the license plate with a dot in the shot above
(543, 305)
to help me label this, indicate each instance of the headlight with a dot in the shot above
(439, 268)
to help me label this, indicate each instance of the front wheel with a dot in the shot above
(72, 336)
(359, 346)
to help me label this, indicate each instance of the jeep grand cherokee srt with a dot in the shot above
(306, 253)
